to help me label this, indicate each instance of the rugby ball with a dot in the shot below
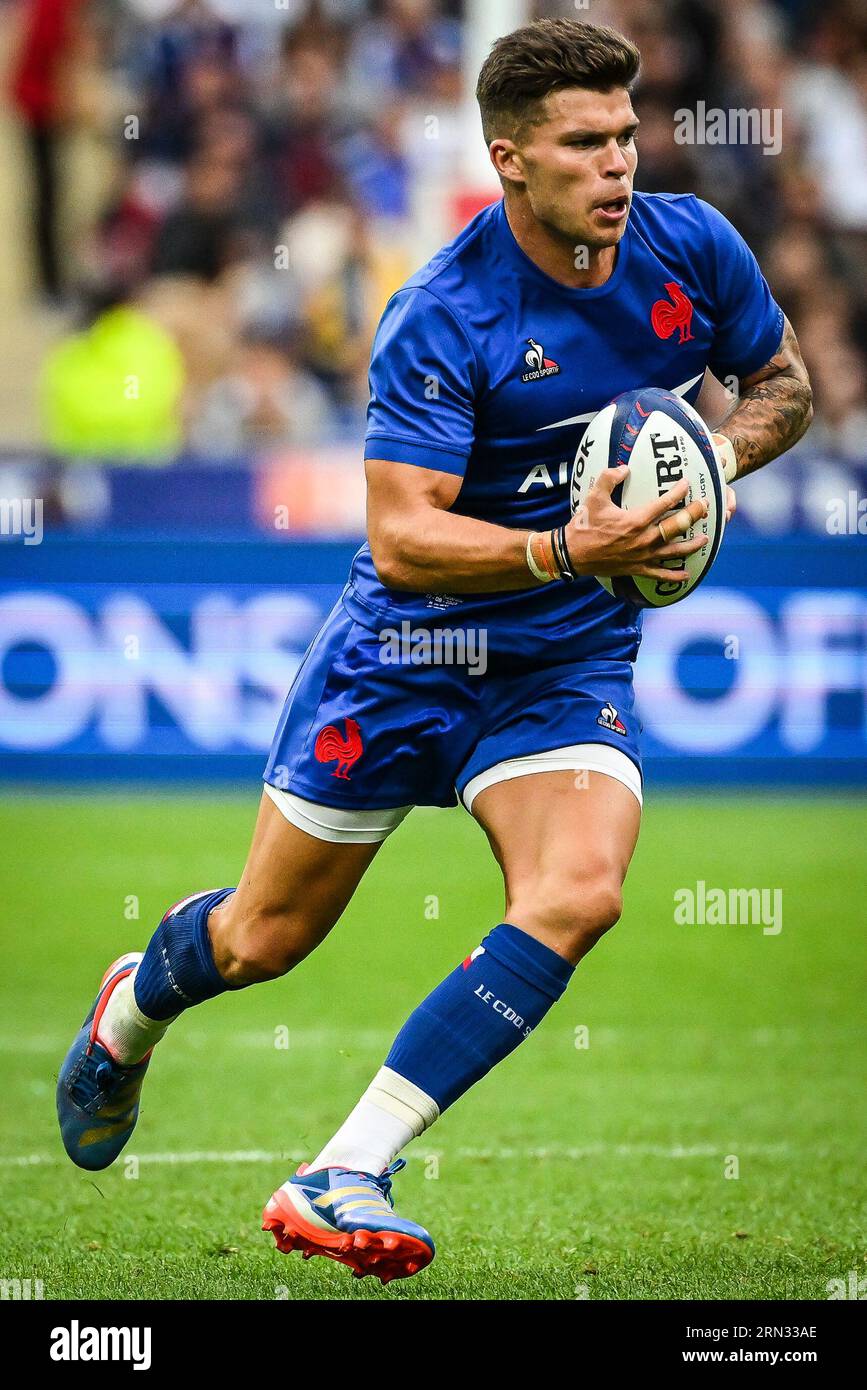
(663, 440)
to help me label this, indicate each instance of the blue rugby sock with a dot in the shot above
(479, 1014)
(177, 969)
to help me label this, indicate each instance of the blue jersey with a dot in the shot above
(485, 367)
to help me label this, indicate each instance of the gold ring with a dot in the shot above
(662, 533)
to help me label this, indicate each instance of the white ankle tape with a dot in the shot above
(124, 1029)
(403, 1099)
(391, 1112)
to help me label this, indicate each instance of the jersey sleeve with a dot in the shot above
(423, 378)
(749, 322)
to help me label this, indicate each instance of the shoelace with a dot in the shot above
(383, 1182)
(98, 1074)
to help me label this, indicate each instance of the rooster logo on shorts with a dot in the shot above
(343, 748)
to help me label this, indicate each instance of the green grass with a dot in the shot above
(596, 1172)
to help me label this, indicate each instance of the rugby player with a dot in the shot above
(486, 367)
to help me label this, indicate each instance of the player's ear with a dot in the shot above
(506, 159)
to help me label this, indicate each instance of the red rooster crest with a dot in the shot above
(666, 317)
(344, 749)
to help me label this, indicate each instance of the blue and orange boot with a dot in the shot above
(97, 1098)
(347, 1216)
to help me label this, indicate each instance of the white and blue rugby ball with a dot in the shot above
(663, 440)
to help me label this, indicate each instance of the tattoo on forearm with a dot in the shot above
(774, 410)
(772, 416)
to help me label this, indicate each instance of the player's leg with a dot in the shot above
(316, 834)
(294, 887)
(564, 840)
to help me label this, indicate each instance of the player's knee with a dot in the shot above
(600, 910)
(589, 909)
(577, 911)
(262, 945)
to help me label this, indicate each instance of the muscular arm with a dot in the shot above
(774, 408)
(417, 544)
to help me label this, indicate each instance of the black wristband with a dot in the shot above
(555, 550)
(557, 546)
(561, 551)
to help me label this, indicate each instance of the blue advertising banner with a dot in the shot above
(169, 656)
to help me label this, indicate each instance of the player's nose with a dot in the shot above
(615, 163)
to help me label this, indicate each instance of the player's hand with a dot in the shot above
(731, 503)
(603, 539)
(725, 452)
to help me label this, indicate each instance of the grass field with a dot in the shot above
(570, 1172)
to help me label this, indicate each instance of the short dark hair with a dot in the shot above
(524, 66)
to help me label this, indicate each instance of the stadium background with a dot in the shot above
(203, 208)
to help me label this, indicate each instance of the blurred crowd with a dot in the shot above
(261, 174)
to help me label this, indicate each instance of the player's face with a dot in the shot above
(577, 164)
